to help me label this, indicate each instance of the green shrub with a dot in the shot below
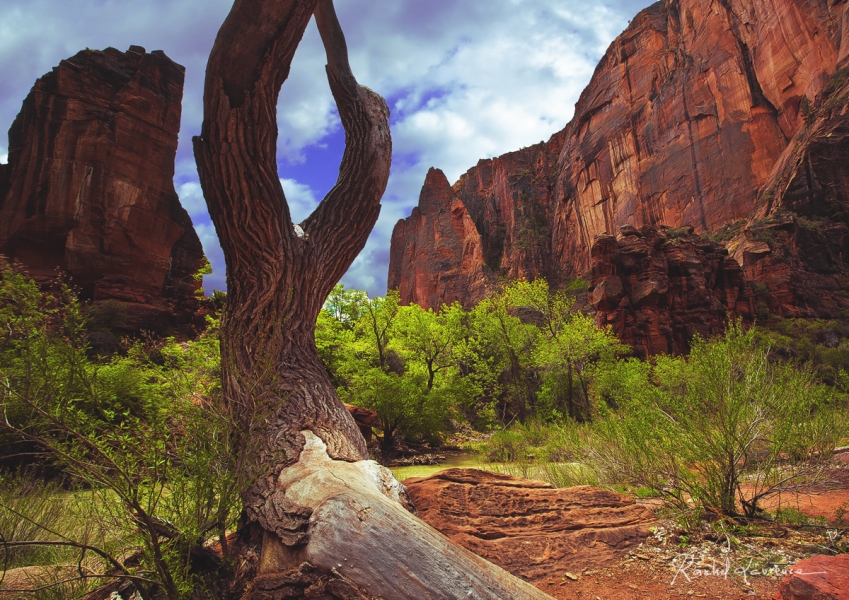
(152, 444)
(794, 516)
(721, 425)
(508, 445)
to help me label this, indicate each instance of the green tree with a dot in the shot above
(375, 326)
(396, 360)
(334, 330)
(346, 306)
(568, 359)
(429, 337)
(500, 351)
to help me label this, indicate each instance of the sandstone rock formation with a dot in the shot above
(797, 242)
(699, 114)
(437, 255)
(686, 115)
(492, 223)
(529, 528)
(798, 264)
(658, 287)
(89, 185)
(819, 577)
(365, 418)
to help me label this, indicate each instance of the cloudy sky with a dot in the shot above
(464, 79)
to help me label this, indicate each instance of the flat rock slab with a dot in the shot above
(530, 528)
(817, 578)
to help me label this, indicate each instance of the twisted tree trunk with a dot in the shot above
(315, 496)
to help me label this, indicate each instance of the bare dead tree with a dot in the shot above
(315, 497)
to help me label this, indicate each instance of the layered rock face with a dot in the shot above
(657, 288)
(529, 528)
(686, 116)
(437, 254)
(89, 185)
(492, 223)
(696, 116)
(797, 242)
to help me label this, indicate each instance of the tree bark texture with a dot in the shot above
(315, 495)
(278, 277)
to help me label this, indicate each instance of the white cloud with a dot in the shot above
(212, 248)
(362, 276)
(301, 199)
(191, 197)
(482, 81)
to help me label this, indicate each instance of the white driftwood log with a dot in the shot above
(360, 529)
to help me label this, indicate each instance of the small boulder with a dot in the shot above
(365, 419)
(817, 578)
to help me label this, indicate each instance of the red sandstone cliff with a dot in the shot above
(686, 115)
(797, 242)
(656, 288)
(499, 227)
(441, 237)
(690, 119)
(89, 185)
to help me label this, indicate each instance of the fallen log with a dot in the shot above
(360, 529)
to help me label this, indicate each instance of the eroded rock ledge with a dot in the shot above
(658, 287)
(530, 528)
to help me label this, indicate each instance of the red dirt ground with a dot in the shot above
(650, 573)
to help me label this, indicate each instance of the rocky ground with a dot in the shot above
(588, 543)
(747, 563)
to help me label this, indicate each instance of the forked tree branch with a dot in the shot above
(236, 152)
(343, 221)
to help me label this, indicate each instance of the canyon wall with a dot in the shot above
(499, 227)
(796, 244)
(686, 115)
(437, 254)
(89, 185)
(692, 117)
(657, 287)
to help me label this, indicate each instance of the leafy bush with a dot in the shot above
(725, 426)
(151, 443)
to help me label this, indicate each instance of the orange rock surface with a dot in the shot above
(797, 242)
(528, 527)
(693, 117)
(89, 185)
(437, 254)
(817, 578)
(657, 288)
(686, 115)
(492, 223)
